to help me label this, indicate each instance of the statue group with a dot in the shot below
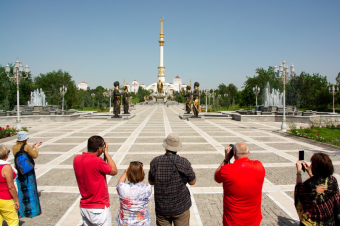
(192, 102)
(117, 100)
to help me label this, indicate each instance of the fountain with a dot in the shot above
(273, 98)
(37, 98)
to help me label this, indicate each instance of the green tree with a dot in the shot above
(261, 79)
(51, 83)
(8, 94)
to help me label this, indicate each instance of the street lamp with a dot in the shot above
(63, 90)
(218, 99)
(256, 91)
(93, 95)
(333, 90)
(206, 91)
(226, 96)
(283, 75)
(17, 76)
(110, 94)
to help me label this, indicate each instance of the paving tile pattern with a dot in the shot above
(202, 143)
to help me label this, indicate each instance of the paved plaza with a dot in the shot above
(141, 137)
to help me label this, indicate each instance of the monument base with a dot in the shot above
(160, 99)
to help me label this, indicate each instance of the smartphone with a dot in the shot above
(302, 158)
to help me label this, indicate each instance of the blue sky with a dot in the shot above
(211, 42)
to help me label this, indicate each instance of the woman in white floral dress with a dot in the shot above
(134, 197)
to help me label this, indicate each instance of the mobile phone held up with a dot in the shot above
(302, 158)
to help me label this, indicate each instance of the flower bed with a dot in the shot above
(9, 131)
(326, 131)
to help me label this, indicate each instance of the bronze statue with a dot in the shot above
(126, 98)
(196, 99)
(116, 100)
(188, 101)
(159, 87)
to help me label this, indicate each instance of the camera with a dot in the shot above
(232, 151)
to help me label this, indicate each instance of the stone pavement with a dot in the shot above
(140, 139)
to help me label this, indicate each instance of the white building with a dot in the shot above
(143, 86)
(83, 86)
(134, 86)
(177, 83)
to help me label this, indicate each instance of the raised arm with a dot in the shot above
(114, 170)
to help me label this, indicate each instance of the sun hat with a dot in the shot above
(22, 135)
(172, 142)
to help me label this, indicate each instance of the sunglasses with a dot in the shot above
(137, 162)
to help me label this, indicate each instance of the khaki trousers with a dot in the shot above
(178, 220)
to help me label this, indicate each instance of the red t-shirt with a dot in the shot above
(4, 192)
(90, 173)
(242, 186)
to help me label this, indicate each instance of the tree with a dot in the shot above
(337, 79)
(263, 77)
(51, 83)
(8, 94)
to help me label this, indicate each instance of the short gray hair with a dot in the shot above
(3, 151)
(241, 148)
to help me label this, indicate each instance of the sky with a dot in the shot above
(211, 42)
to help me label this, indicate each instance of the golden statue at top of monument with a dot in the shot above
(159, 87)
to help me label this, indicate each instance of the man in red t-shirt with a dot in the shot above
(242, 187)
(90, 170)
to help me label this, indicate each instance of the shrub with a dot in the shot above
(9, 131)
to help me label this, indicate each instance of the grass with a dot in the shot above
(326, 132)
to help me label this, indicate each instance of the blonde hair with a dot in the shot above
(3, 151)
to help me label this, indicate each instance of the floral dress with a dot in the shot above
(134, 199)
(317, 201)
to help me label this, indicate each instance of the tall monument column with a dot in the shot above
(161, 75)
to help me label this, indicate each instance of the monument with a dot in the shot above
(116, 100)
(126, 98)
(196, 100)
(166, 87)
(188, 101)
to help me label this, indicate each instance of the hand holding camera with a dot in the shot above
(229, 152)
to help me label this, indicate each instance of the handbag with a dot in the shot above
(23, 162)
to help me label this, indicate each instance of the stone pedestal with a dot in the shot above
(160, 99)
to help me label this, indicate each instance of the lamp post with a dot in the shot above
(333, 90)
(17, 76)
(226, 95)
(283, 74)
(63, 90)
(256, 91)
(105, 94)
(93, 95)
(206, 99)
(218, 99)
(110, 94)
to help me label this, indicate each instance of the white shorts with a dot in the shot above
(96, 217)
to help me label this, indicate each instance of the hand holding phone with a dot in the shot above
(302, 158)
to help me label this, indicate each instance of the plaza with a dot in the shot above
(140, 139)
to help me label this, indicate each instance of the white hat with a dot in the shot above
(22, 135)
(172, 143)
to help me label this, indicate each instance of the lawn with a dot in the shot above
(329, 134)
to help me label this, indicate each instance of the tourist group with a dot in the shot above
(316, 199)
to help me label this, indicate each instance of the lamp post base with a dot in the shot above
(19, 124)
(283, 127)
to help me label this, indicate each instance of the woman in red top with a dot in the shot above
(9, 202)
